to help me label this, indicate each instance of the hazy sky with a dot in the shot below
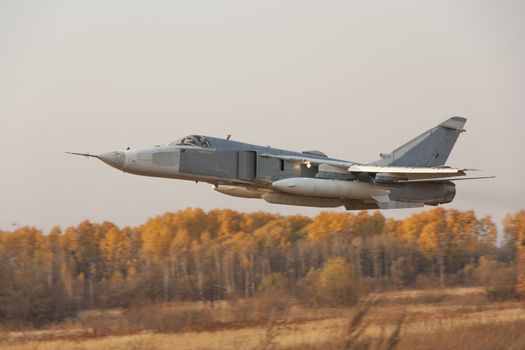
(350, 78)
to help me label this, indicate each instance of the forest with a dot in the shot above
(194, 255)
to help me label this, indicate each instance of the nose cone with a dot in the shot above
(115, 159)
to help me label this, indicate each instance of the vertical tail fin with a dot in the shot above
(430, 149)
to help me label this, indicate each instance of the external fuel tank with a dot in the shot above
(329, 188)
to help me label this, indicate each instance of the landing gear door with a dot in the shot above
(247, 165)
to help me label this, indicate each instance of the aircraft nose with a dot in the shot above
(115, 159)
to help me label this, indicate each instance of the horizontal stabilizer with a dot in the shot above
(408, 173)
(447, 179)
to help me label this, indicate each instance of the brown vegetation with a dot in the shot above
(462, 318)
(281, 278)
(222, 254)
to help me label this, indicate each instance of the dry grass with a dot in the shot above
(454, 319)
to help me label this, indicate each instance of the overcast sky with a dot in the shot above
(350, 78)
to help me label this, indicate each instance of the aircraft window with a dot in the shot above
(202, 141)
(193, 140)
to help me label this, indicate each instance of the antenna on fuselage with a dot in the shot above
(228, 137)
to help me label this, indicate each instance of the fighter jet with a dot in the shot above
(412, 175)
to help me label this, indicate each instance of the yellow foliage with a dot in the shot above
(337, 283)
(514, 229)
(520, 266)
(273, 282)
(193, 254)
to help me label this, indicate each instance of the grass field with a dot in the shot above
(459, 318)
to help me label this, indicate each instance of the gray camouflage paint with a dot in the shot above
(251, 171)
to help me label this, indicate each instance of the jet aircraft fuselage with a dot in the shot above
(411, 176)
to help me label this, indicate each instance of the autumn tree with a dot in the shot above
(30, 287)
(514, 231)
(337, 283)
(194, 254)
(449, 238)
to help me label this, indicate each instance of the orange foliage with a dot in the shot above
(193, 254)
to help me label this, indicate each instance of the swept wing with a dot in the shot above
(397, 173)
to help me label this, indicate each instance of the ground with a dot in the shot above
(461, 318)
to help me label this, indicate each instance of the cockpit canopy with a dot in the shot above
(193, 140)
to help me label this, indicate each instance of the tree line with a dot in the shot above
(224, 254)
